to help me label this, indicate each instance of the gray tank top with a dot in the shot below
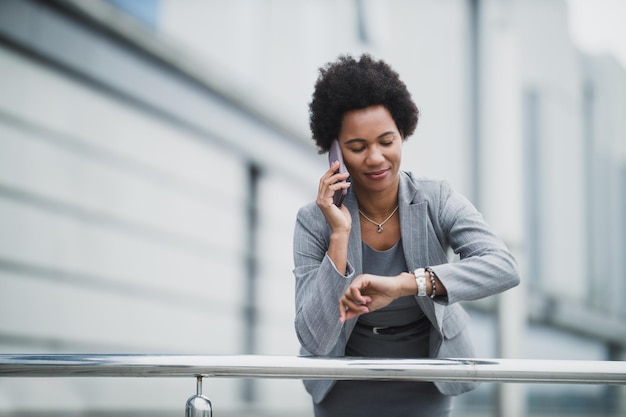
(411, 342)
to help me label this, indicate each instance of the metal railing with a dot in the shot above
(290, 367)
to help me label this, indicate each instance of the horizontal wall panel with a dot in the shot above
(163, 95)
(124, 197)
(114, 322)
(89, 121)
(118, 396)
(270, 329)
(100, 256)
(284, 397)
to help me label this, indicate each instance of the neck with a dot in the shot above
(378, 204)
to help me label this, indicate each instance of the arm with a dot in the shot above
(338, 218)
(486, 266)
(369, 293)
(319, 283)
(322, 270)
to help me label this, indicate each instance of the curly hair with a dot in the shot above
(348, 84)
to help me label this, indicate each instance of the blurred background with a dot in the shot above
(153, 155)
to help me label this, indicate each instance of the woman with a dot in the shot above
(372, 275)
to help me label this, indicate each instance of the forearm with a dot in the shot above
(486, 266)
(322, 273)
(369, 293)
(478, 277)
(317, 292)
(338, 251)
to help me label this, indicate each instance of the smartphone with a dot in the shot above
(335, 155)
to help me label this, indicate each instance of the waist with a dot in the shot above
(390, 330)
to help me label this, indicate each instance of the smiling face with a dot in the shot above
(372, 150)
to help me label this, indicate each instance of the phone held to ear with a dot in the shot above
(335, 155)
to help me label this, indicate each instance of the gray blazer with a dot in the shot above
(433, 219)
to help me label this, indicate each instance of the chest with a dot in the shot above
(384, 239)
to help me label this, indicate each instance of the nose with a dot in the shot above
(375, 155)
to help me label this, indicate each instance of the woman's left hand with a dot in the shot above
(368, 293)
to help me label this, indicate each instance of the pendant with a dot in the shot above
(380, 228)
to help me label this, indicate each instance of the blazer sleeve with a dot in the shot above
(318, 284)
(486, 267)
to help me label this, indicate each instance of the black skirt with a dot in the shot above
(384, 398)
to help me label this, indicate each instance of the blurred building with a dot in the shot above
(153, 155)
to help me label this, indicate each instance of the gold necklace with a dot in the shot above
(380, 225)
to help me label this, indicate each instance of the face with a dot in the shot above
(372, 149)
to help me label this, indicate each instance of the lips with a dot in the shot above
(377, 175)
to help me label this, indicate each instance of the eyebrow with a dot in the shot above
(382, 135)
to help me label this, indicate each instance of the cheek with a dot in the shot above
(350, 162)
(399, 151)
(395, 155)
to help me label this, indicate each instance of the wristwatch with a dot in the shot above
(420, 279)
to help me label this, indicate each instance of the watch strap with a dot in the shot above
(420, 280)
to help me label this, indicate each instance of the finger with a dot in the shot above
(356, 293)
(332, 170)
(333, 174)
(344, 308)
(327, 191)
(350, 313)
(342, 311)
(331, 178)
(349, 309)
(334, 183)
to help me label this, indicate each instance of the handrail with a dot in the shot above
(291, 367)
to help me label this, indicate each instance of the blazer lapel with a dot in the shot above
(414, 229)
(355, 251)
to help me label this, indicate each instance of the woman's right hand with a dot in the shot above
(338, 218)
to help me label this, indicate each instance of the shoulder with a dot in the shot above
(438, 194)
(423, 189)
(309, 211)
(311, 231)
(311, 218)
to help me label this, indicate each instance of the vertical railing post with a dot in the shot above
(198, 405)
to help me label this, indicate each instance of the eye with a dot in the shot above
(388, 141)
(358, 149)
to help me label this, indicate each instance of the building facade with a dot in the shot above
(151, 170)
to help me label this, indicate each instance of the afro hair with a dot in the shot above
(348, 84)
